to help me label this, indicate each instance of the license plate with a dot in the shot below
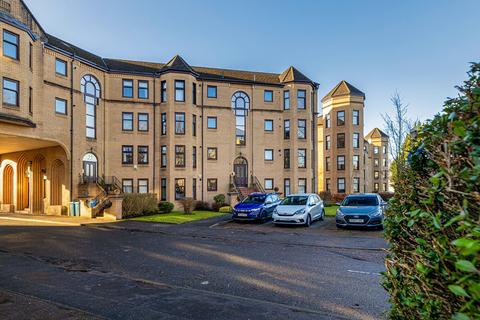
(356, 220)
(243, 215)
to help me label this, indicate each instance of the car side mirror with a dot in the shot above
(268, 202)
(338, 204)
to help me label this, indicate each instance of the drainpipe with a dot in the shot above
(251, 134)
(314, 140)
(202, 146)
(71, 127)
(154, 132)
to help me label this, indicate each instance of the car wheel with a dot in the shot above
(380, 227)
(322, 217)
(308, 222)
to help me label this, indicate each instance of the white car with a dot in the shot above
(299, 209)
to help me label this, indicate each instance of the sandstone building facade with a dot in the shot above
(74, 125)
(350, 162)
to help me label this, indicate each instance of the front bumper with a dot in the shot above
(367, 221)
(295, 219)
(246, 216)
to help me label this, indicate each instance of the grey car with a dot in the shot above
(361, 210)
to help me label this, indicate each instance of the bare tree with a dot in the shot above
(397, 126)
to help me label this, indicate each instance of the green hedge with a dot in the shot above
(139, 204)
(433, 221)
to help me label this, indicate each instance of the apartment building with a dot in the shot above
(349, 162)
(74, 125)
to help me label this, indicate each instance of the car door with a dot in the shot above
(269, 205)
(312, 207)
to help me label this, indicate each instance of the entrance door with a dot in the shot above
(240, 167)
(90, 167)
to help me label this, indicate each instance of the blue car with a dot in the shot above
(257, 206)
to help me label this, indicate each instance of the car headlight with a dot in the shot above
(377, 213)
(301, 211)
(275, 211)
(340, 213)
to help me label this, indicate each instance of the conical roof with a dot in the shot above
(343, 88)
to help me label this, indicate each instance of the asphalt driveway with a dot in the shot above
(210, 269)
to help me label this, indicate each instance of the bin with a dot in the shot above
(75, 209)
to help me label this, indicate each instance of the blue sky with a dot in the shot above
(420, 48)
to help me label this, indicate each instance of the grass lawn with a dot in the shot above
(331, 211)
(177, 217)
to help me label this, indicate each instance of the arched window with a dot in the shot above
(90, 88)
(240, 105)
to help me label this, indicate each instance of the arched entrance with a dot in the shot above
(57, 183)
(8, 184)
(240, 167)
(90, 167)
(39, 179)
(22, 183)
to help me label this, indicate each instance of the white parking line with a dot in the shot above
(364, 272)
(40, 221)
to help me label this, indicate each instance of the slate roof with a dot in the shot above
(343, 88)
(376, 133)
(293, 75)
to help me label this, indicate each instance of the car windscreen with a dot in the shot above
(360, 201)
(255, 199)
(294, 201)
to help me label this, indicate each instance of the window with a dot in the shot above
(286, 129)
(142, 186)
(211, 153)
(179, 123)
(194, 188)
(10, 45)
(327, 143)
(356, 184)
(179, 90)
(212, 184)
(268, 154)
(179, 156)
(30, 57)
(328, 121)
(385, 187)
(341, 185)
(286, 187)
(127, 121)
(30, 100)
(143, 122)
(11, 90)
(302, 185)
(327, 163)
(286, 100)
(356, 140)
(341, 140)
(163, 157)
(340, 118)
(127, 154)
(194, 157)
(179, 189)
(385, 174)
(240, 104)
(356, 162)
(376, 174)
(127, 185)
(327, 184)
(142, 89)
(375, 150)
(142, 155)
(302, 158)
(356, 117)
(212, 122)
(384, 162)
(268, 96)
(376, 162)
(268, 183)
(384, 149)
(302, 129)
(194, 125)
(127, 89)
(268, 125)
(375, 187)
(340, 162)
(301, 99)
(163, 91)
(90, 88)
(163, 189)
(60, 67)
(194, 93)
(286, 159)
(211, 92)
(60, 106)
(164, 124)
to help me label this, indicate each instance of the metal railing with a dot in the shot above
(257, 185)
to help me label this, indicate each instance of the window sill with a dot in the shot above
(59, 75)
(11, 106)
(61, 115)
